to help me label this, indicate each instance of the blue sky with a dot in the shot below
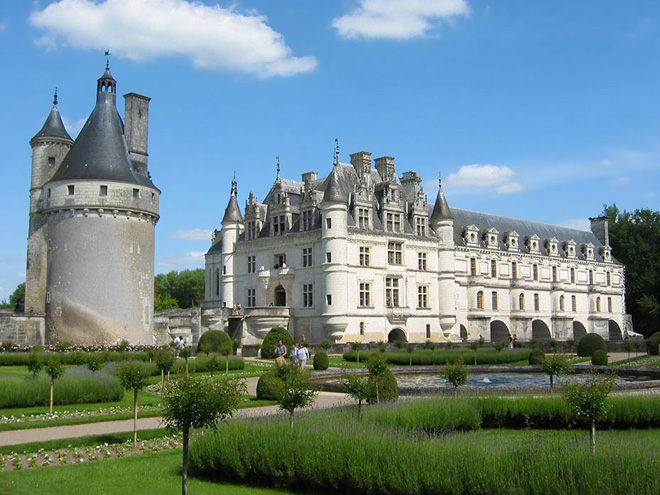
(543, 110)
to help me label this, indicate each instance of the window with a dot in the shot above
(364, 256)
(224, 269)
(365, 294)
(514, 270)
(421, 261)
(328, 300)
(103, 190)
(493, 268)
(480, 300)
(561, 303)
(420, 226)
(393, 222)
(362, 328)
(280, 261)
(608, 278)
(136, 193)
(328, 223)
(535, 272)
(251, 232)
(574, 304)
(598, 304)
(308, 296)
(49, 193)
(251, 264)
(363, 218)
(217, 281)
(70, 190)
(422, 296)
(609, 304)
(473, 267)
(428, 331)
(395, 253)
(591, 277)
(251, 297)
(521, 302)
(279, 225)
(51, 161)
(537, 303)
(572, 275)
(307, 257)
(307, 220)
(392, 292)
(554, 273)
(494, 301)
(328, 257)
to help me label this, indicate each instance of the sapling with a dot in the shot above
(185, 353)
(356, 346)
(35, 362)
(165, 359)
(360, 389)
(410, 349)
(297, 392)
(54, 370)
(134, 376)
(555, 365)
(456, 374)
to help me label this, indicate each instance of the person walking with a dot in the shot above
(294, 354)
(303, 354)
(280, 353)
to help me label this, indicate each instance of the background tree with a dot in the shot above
(35, 362)
(94, 362)
(410, 349)
(185, 287)
(359, 389)
(54, 369)
(555, 365)
(165, 359)
(298, 391)
(185, 353)
(16, 299)
(635, 241)
(213, 363)
(588, 400)
(456, 374)
(193, 402)
(134, 376)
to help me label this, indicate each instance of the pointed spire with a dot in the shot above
(336, 159)
(55, 97)
(441, 210)
(333, 191)
(277, 177)
(234, 189)
(233, 211)
(53, 127)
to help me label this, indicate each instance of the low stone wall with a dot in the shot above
(184, 323)
(22, 329)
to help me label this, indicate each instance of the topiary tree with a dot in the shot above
(236, 344)
(382, 346)
(216, 340)
(360, 389)
(410, 349)
(35, 361)
(257, 347)
(193, 402)
(94, 362)
(151, 353)
(456, 374)
(297, 391)
(382, 379)
(321, 361)
(165, 359)
(429, 345)
(599, 358)
(399, 344)
(272, 338)
(123, 346)
(556, 365)
(588, 400)
(54, 369)
(356, 346)
(134, 376)
(536, 357)
(213, 364)
(475, 347)
(269, 386)
(76, 358)
(589, 344)
(225, 354)
(326, 345)
(185, 353)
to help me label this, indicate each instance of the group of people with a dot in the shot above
(299, 354)
(177, 344)
(513, 339)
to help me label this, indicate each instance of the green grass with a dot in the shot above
(146, 474)
(426, 357)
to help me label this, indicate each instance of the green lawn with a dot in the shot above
(147, 474)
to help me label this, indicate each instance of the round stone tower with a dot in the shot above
(101, 211)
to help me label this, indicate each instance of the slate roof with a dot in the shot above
(232, 212)
(53, 127)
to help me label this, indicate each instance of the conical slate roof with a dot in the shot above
(53, 127)
(233, 211)
(441, 209)
(333, 192)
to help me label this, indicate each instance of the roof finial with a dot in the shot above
(277, 158)
(234, 189)
(439, 180)
(107, 59)
(55, 97)
(336, 160)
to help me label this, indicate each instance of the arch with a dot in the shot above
(499, 332)
(614, 330)
(463, 333)
(396, 334)
(578, 330)
(480, 299)
(540, 330)
(280, 296)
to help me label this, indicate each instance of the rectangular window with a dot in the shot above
(328, 223)
(364, 256)
(473, 267)
(554, 273)
(307, 219)
(428, 331)
(537, 303)
(493, 268)
(224, 269)
(71, 190)
(103, 190)
(393, 222)
(535, 272)
(572, 275)
(392, 292)
(363, 218)
(395, 253)
(561, 303)
(328, 300)
(514, 270)
(420, 226)
(308, 295)
(365, 295)
(51, 161)
(591, 277)
(574, 304)
(421, 261)
(279, 225)
(608, 277)
(136, 193)
(494, 301)
(251, 264)
(362, 325)
(251, 297)
(307, 257)
(280, 261)
(49, 193)
(422, 296)
(328, 257)
(609, 304)
(251, 231)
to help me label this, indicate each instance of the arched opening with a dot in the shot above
(280, 296)
(396, 334)
(463, 333)
(578, 331)
(499, 332)
(615, 330)
(540, 330)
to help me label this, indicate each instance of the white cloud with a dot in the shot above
(477, 178)
(192, 234)
(650, 194)
(577, 223)
(73, 127)
(3, 26)
(619, 181)
(397, 19)
(213, 37)
(193, 259)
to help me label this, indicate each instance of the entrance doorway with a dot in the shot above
(280, 296)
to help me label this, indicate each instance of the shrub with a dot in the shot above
(599, 358)
(589, 344)
(653, 344)
(456, 374)
(423, 357)
(321, 361)
(7, 345)
(536, 357)
(326, 345)
(429, 345)
(269, 386)
(272, 338)
(217, 341)
(385, 385)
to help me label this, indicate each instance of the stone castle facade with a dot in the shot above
(93, 211)
(361, 256)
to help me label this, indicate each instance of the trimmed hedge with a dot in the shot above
(591, 343)
(22, 358)
(536, 357)
(217, 341)
(599, 358)
(653, 344)
(321, 361)
(269, 386)
(272, 338)
(422, 357)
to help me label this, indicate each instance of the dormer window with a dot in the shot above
(103, 190)
(588, 250)
(279, 225)
(420, 226)
(569, 248)
(363, 218)
(251, 230)
(533, 243)
(470, 235)
(491, 238)
(307, 220)
(393, 222)
(511, 241)
(552, 246)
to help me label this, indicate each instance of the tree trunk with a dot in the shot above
(552, 381)
(359, 409)
(475, 358)
(184, 468)
(592, 439)
(52, 385)
(227, 364)
(291, 421)
(168, 375)
(162, 380)
(358, 361)
(186, 366)
(135, 415)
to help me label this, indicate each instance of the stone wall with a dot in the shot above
(22, 330)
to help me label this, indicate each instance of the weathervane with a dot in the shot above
(336, 160)
(234, 189)
(277, 158)
(107, 58)
(440, 180)
(55, 97)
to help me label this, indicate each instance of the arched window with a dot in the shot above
(521, 302)
(514, 270)
(572, 275)
(480, 300)
(609, 304)
(598, 305)
(574, 304)
(561, 303)
(537, 304)
(535, 272)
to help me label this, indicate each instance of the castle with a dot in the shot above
(361, 256)
(93, 211)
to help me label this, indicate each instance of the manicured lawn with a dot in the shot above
(147, 474)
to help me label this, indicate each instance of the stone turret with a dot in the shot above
(232, 226)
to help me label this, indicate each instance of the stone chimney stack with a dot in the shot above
(385, 167)
(600, 226)
(361, 161)
(136, 128)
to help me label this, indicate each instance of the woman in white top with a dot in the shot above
(303, 355)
